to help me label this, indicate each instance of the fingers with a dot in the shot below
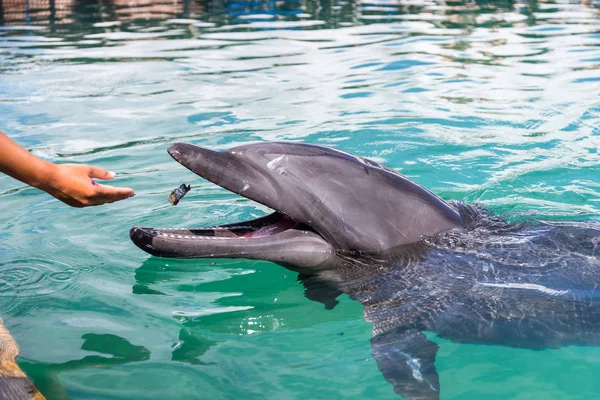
(104, 193)
(100, 173)
(109, 194)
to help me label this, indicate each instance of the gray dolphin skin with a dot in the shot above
(416, 263)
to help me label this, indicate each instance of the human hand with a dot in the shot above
(73, 184)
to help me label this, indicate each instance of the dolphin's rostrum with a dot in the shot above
(416, 263)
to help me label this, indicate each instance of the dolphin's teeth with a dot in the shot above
(167, 235)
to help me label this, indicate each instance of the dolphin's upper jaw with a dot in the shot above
(241, 177)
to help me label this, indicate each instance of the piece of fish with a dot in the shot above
(178, 193)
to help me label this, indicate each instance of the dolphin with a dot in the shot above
(417, 263)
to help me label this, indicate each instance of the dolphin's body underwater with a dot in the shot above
(416, 263)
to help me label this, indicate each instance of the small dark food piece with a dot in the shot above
(178, 193)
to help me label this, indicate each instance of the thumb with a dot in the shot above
(100, 173)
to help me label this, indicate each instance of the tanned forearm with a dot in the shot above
(22, 165)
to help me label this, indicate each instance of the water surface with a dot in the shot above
(489, 102)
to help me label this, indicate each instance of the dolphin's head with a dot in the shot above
(326, 202)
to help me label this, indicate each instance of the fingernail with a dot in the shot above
(111, 174)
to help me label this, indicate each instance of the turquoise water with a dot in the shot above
(495, 103)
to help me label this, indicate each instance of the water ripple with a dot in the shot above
(22, 279)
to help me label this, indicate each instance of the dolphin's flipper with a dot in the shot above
(407, 360)
(320, 291)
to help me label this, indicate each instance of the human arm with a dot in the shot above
(70, 183)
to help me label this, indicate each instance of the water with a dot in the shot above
(496, 103)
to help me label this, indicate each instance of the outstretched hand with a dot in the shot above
(74, 185)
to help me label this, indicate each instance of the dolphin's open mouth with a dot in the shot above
(249, 239)
(275, 237)
(267, 226)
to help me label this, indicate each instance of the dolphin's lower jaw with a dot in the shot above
(275, 237)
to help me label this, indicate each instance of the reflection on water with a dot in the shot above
(330, 13)
(493, 102)
(114, 349)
